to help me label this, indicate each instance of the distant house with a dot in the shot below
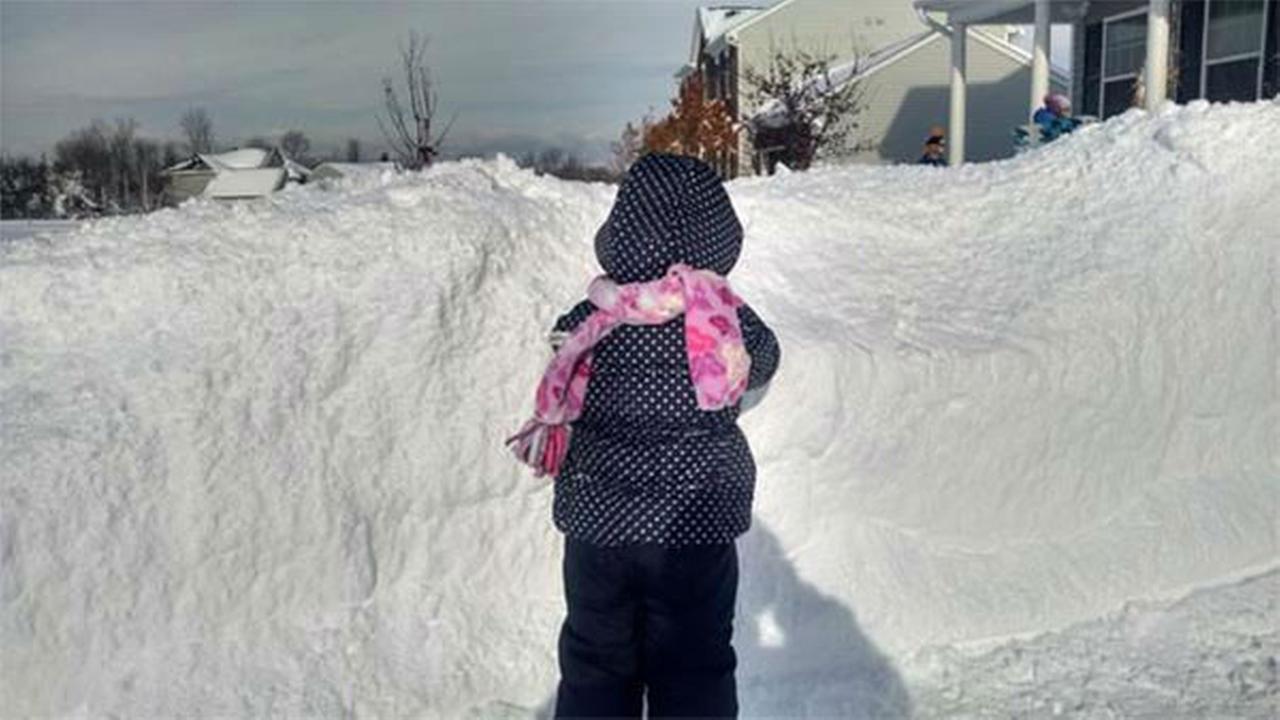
(243, 173)
(1130, 53)
(888, 45)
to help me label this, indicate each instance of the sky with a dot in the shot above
(518, 74)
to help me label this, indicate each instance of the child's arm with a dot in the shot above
(569, 321)
(762, 346)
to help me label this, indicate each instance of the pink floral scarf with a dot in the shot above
(718, 360)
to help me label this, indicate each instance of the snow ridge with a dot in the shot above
(252, 464)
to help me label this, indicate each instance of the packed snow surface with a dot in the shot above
(1021, 456)
(21, 229)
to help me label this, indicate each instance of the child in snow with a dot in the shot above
(934, 148)
(1054, 117)
(637, 420)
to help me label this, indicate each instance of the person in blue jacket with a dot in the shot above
(653, 489)
(1054, 117)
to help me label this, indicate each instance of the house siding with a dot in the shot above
(833, 28)
(827, 27)
(906, 98)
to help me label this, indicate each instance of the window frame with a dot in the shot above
(1103, 77)
(1259, 56)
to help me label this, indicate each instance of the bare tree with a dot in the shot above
(628, 147)
(108, 168)
(147, 158)
(804, 107)
(198, 127)
(353, 150)
(257, 141)
(121, 145)
(410, 134)
(551, 159)
(565, 165)
(87, 152)
(295, 145)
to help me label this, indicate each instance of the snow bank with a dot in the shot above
(252, 453)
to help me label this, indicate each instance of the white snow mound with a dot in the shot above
(251, 454)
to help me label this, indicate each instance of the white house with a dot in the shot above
(1128, 52)
(242, 173)
(901, 55)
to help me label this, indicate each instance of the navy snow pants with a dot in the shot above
(646, 621)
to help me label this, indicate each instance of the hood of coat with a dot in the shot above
(669, 209)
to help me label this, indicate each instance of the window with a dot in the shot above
(1124, 51)
(1233, 28)
(1126, 45)
(1234, 32)
(1089, 93)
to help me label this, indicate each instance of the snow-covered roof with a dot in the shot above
(243, 159)
(240, 159)
(246, 182)
(244, 172)
(994, 12)
(715, 21)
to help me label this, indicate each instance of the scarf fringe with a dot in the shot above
(541, 446)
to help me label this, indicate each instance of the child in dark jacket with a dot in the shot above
(637, 420)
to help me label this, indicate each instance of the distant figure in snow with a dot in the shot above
(636, 418)
(935, 148)
(1054, 117)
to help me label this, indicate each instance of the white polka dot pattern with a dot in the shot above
(669, 209)
(645, 465)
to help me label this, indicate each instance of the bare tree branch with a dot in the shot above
(408, 129)
(198, 127)
(804, 108)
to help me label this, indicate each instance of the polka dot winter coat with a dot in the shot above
(645, 464)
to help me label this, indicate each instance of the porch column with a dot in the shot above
(1040, 57)
(955, 143)
(1156, 82)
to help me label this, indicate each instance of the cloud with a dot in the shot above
(517, 69)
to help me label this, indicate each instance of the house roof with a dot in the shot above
(713, 22)
(242, 173)
(1001, 12)
(241, 159)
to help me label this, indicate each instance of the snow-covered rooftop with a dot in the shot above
(240, 159)
(245, 183)
(717, 20)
